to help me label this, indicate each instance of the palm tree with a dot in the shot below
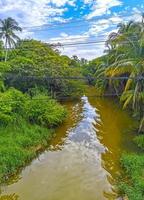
(129, 63)
(7, 33)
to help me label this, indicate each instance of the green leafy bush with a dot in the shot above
(41, 109)
(44, 111)
(139, 140)
(19, 134)
(12, 102)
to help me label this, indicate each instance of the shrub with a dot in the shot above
(139, 140)
(12, 102)
(42, 110)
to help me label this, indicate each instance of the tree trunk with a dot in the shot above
(6, 54)
(6, 50)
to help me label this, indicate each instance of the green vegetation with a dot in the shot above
(18, 145)
(25, 124)
(123, 65)
(33, 75)
(139, 140)
(133, 185)
(34, 64)
(132, 181)
(40, 109)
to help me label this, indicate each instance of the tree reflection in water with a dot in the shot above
(9, 197)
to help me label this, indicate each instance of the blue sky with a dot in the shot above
(72, 21)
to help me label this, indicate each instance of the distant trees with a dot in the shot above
(36, 65)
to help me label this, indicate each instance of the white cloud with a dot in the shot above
(134, 15)
(100, 26)
(98, 31)
(69, 39)
(101, 7)
(82, 51)
(60, 3)
(88, 1)
(86, 50)
(89, 51)
(60, 19)
(26, 34)
(32, 12)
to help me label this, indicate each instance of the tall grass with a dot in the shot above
(18, 145)
(132, 182)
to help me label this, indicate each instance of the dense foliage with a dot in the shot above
(40, 109)
(36, 64)
(131, 183)
(124, 64)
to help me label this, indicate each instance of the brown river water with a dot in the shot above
(82, 162)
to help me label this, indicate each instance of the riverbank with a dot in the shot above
(26, 126)
(19, 145)
(131, 183)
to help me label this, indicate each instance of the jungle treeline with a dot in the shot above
(123, 65)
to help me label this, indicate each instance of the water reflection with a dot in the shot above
(9, 197)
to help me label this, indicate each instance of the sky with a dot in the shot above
(82, 26)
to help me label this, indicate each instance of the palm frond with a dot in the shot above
(135, 95)
(129, 81)
(141, 124)
(126, 98)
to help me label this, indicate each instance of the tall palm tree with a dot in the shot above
(7, 33)
(130, 63)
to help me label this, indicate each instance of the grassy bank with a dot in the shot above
(19, 144)
(132, 183)
(26, 125)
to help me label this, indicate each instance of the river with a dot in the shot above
(82, 162)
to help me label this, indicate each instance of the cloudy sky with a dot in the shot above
(81, 25)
